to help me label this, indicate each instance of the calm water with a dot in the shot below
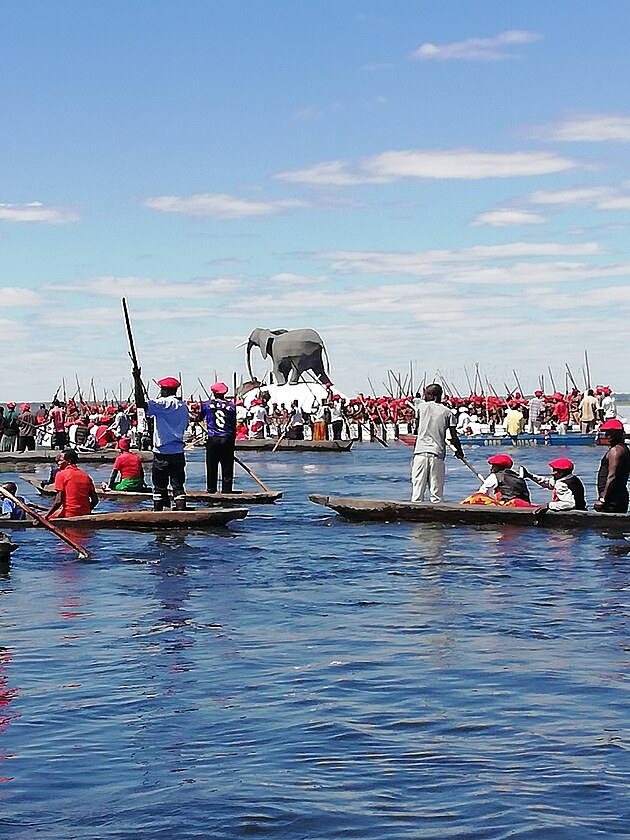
(296, 676)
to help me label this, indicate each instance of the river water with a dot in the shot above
(296, 676)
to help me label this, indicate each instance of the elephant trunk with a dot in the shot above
(250, 344)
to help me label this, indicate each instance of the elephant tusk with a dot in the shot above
(242, 344)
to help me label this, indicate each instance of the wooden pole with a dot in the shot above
(252, 474)
(83, 553)
(588, 370)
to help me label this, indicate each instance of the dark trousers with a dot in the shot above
(295, 433)
(168, 468)
(60, 440)
(26, 442)
(219, 450)
(337, 426)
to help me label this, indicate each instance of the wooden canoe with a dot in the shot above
(382, 510)
(143, 520)
(236, 498)
(551, 439)
(8, 460)
(268, 444)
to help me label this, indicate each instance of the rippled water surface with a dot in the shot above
(296, 676)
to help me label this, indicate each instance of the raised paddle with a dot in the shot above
(252, 474)
(83, 553)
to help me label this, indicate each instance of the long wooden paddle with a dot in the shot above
(372, 431)
(83, 553)
(252, 474)
(465, 462)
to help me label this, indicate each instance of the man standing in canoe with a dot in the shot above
(219, 416)
(76, 495)
(614, 469)
(170, 414)
(434, 423)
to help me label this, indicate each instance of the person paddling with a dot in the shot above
(76, 495)
(567, 490)
(219, 416)
(170, 414)
(612, 476)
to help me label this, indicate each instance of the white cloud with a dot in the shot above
(507, 218)
(218, 206)
(589, 128)
(15, 296)
(38, 212)
(602, 198)
(476, 49)
(423, 263)
(287, 277)
(100, 315)
(333, 173)
(441, 164)
(148, 288)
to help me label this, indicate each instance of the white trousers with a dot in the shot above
(427, 470)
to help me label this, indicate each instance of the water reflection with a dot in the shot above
(7, 695)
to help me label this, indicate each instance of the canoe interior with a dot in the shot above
(236, 498)
(381, 510)
(268, 444)
(149, 520)
(569, 439)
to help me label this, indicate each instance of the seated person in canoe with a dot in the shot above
(127, 472)
(76, 495)
(567, 490)
(503, 484)
(9, 509)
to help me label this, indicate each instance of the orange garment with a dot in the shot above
(319, 430)
(76, 486)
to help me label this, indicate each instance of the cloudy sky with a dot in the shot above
(443, 183)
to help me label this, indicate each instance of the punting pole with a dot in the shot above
(83, 553)
(468, 380)
(465, 462)
(553, 384)
(588, 370)
(203, 388)
(367, 413)
(522, 393)
(571, 376)
(252, 474)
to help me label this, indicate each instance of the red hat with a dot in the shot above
(25, 407)
(169, 382)
(111, 409)
(561, 464)
(124, 444)
(256, 402)
(501, 460)
(10, 405)
(219, 388)
(538, 393)
(611, 424)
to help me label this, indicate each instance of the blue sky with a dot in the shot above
(439, 182)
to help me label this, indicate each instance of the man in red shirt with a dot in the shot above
(561, 413)
(76, 495)
(129, 466)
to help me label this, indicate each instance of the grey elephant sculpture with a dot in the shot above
(293, 352)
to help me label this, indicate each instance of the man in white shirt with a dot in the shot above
(434, 423)
(171, 421)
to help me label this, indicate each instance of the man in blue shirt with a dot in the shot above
(219, 416)
(9, 509)
(171, 421)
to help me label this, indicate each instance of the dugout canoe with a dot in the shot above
(268, 444)
(236, 498)
(383, 510)
(143, 520)
(9, 460)
(552, 439)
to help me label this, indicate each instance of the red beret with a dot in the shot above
(169, 382)
(538, 393)
(219, 388)
(561, 464)
(10, 405)
(124, 443)
(611, 424)
(501, 460)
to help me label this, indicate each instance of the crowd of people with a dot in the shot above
(167, 423)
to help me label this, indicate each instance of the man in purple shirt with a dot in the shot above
(219, 416)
